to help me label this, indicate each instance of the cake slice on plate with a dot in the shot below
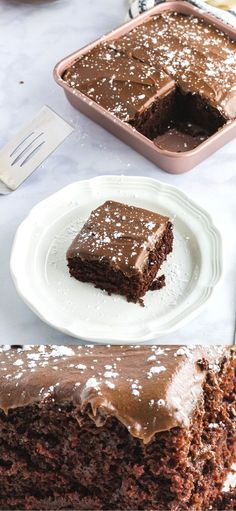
(120, 249)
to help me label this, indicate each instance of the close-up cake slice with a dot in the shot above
(120, 249)
(116, 428)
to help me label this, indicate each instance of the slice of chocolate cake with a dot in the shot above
(120, 249)
(115, 428)
(136, 93)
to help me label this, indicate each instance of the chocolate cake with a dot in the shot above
(171, 71)
(120, 249)
(126, 88)
(226, 501)
(115, 428)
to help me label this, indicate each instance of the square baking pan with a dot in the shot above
(174, 162)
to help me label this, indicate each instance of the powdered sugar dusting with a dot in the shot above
(156, 370)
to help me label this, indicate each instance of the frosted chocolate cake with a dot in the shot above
(122, 428)
(173, 73)
(120, 249)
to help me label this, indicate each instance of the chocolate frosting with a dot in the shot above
(120, 84)
(147, 62)
(122, 234)
(148, 389)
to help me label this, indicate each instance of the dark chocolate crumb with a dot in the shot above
(159, 283)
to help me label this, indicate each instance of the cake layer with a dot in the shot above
(104, 275)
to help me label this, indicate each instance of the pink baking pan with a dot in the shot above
(167, 160)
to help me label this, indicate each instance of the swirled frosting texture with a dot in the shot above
(149, 389)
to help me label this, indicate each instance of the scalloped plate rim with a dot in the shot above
(116, 179)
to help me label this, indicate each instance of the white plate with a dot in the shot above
(39, 268)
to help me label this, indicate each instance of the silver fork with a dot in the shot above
(30, 147)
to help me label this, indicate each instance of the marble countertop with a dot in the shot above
(33, 37)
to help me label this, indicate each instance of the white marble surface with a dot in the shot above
(33, 37)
